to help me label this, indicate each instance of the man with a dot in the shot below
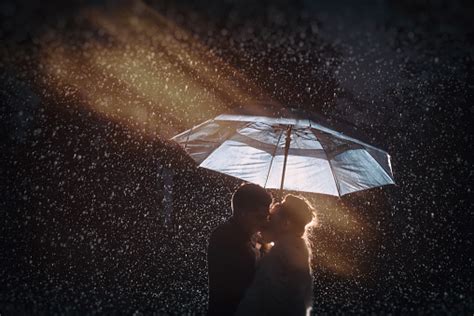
(231, 256)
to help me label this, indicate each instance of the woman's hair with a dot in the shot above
(302, 215)
(299, 211)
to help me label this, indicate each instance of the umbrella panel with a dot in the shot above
(318, 160)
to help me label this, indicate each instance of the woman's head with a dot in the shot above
(291, 216)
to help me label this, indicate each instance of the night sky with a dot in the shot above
(101, 213)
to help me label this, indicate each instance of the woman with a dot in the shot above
(283, 281)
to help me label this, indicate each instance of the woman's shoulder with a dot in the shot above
(293, 252)
(293, 244)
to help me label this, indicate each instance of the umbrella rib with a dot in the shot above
(273, 156)
(226, 139)
(187, 138)
(380, 165)
(191, 130)
(333, 174)
(329, 162)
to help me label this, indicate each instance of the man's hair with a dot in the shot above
(248, 197)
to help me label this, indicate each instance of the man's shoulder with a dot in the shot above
(221, 231)
(222, 235)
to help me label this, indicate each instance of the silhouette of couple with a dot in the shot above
(249, 276)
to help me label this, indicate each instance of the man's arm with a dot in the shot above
(217, 262)
(231, 270)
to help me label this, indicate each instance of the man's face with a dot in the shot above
(276, 222)
(258, 218)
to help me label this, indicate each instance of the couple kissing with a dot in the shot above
(259, 259)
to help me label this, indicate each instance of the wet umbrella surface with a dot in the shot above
(285, 153)
(103, 214)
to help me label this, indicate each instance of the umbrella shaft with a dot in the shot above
(287, 147)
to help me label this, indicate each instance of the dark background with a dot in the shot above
(83, 224)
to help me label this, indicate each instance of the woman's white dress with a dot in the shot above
(282, 283)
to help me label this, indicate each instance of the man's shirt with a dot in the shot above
(232, 262)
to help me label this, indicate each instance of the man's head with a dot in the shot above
(250, 205)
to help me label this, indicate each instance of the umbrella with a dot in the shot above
(287, 153)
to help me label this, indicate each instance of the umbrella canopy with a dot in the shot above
(287, 153)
